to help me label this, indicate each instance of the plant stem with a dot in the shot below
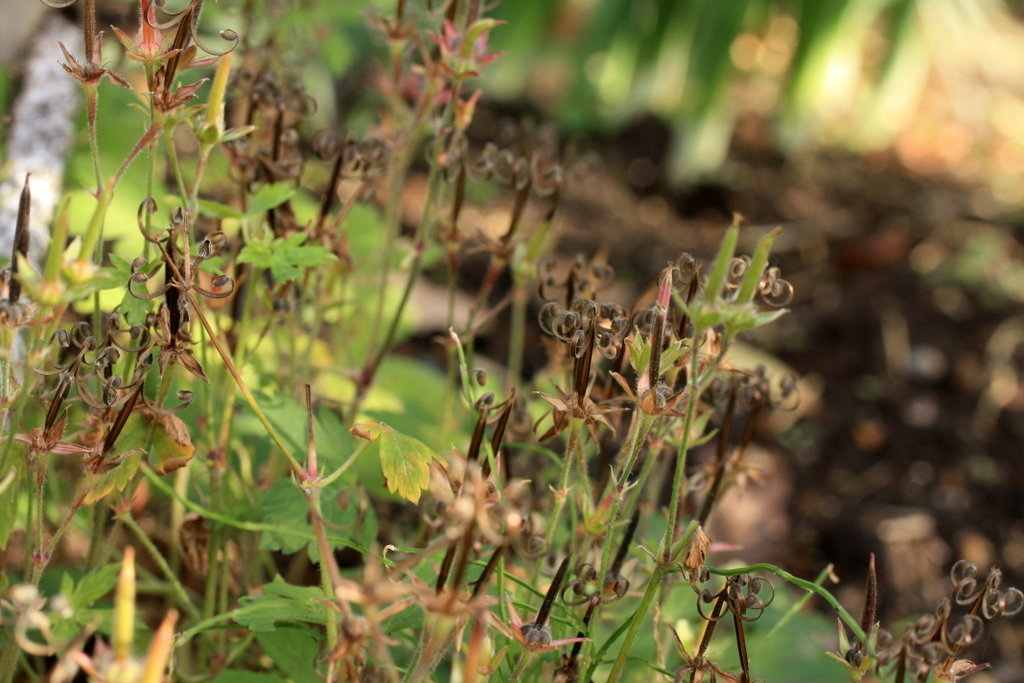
(524, 661)
(638, 618)
(692, 400)
(249, 398)
(562, 494)
(326, 562)
(179, 590)
(642, 423)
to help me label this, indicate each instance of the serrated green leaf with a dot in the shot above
(285, 257)
(256, 253)
(282, 505)
(404, 460)
(134, 309)
(280, 601)
(93, 586)
(293, 650)
(268, 197)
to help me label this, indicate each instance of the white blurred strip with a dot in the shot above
(41, 133)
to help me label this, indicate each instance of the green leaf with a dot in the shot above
(285, 257)
(404, 460)
(752, 278)
(293, 650)
(134, 309)
(282, 505)
(268, 197)
(93, 586)
(216, 210)
(280, 601)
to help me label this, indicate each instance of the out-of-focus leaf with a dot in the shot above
(216, 210)
(93, 586)
(293, 650)
(268, 197)
(99, 485)
(283, 506)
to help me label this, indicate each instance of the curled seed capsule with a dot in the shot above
(327, 143)
(643, 321)
(603, 274)
(566, 324)
(222, 281)
(548, 180)
(588, 310)
(547, 315)
(737, 269)
(482, 168)
(1013, 602)
(504, 167)
(779, 294)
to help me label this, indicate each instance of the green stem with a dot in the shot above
(812, 586)
(695, 389)
(641, 612)
(642, 423)
(517, 335)
(329, 479)
(91, 106)
(249, 398)
(312, 496)
(524, 661)
(562, 494)
(392, 224)
(154, 552)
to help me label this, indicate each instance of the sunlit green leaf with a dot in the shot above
(285, 257)
(404, 460)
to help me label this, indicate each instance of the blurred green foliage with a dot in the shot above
(595, 64)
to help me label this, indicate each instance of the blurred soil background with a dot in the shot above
(886, 137)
